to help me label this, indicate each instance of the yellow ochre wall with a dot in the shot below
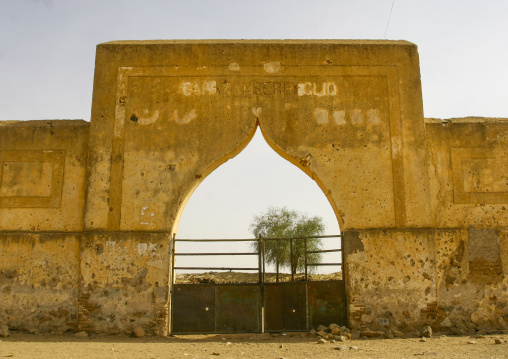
(87, 210)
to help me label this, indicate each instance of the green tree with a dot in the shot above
(283, 223)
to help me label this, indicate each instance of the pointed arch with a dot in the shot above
(208, 171)
(303, 164)
(237, 151)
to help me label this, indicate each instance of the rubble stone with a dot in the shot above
(4, 331)
(138, 332)
(426, 332)
(322, 328)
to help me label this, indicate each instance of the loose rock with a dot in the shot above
(498, 341)
(472, 342)
(343, 347)
(322, 341)
(333, 326)
(138, 332)
(478, 336)
(427, 332)
(81, 335)
(371, 333)
(322, 333)
(322, 328)
(336, 331)
(4, 331)
(398, 334)
(423, 339)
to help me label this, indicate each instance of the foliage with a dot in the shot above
(283, 223)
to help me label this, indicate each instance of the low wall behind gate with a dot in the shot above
(87, 209)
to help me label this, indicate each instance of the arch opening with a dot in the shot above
(223, 206)
(225, 281)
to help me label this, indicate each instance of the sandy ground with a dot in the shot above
(20, 345)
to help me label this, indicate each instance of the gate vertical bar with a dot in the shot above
(173, 245)
(264, 259)
(305, 251)
(306, 289)
(172, 282)
(291, 257)
(262, 290)
(278, 248)
(261, 267)
(259, 260)
(307, 314)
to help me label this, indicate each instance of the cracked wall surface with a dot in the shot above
(88, 210)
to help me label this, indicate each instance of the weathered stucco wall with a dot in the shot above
(453, 275)
(183, 108)
(87, 211)
(39, 275)
(42, 196)
(468, 168)
(42, 184)
(124, 282)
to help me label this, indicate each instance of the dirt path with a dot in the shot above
(28, 346)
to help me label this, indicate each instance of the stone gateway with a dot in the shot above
(88, 209)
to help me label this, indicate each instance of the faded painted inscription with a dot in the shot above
(258, 88)
(356, 117)
(335, 100)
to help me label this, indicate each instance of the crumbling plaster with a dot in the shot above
(87, 210)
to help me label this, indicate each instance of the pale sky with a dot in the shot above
(47, 54)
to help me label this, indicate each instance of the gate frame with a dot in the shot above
(261, 279)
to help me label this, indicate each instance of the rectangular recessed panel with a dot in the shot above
(238, 308)
(193, 308)
(26, 179)
(31, 179)
(477, 176)
(327, 303)
(329, 101)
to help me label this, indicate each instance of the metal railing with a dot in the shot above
(306, 252)
(260, 253)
